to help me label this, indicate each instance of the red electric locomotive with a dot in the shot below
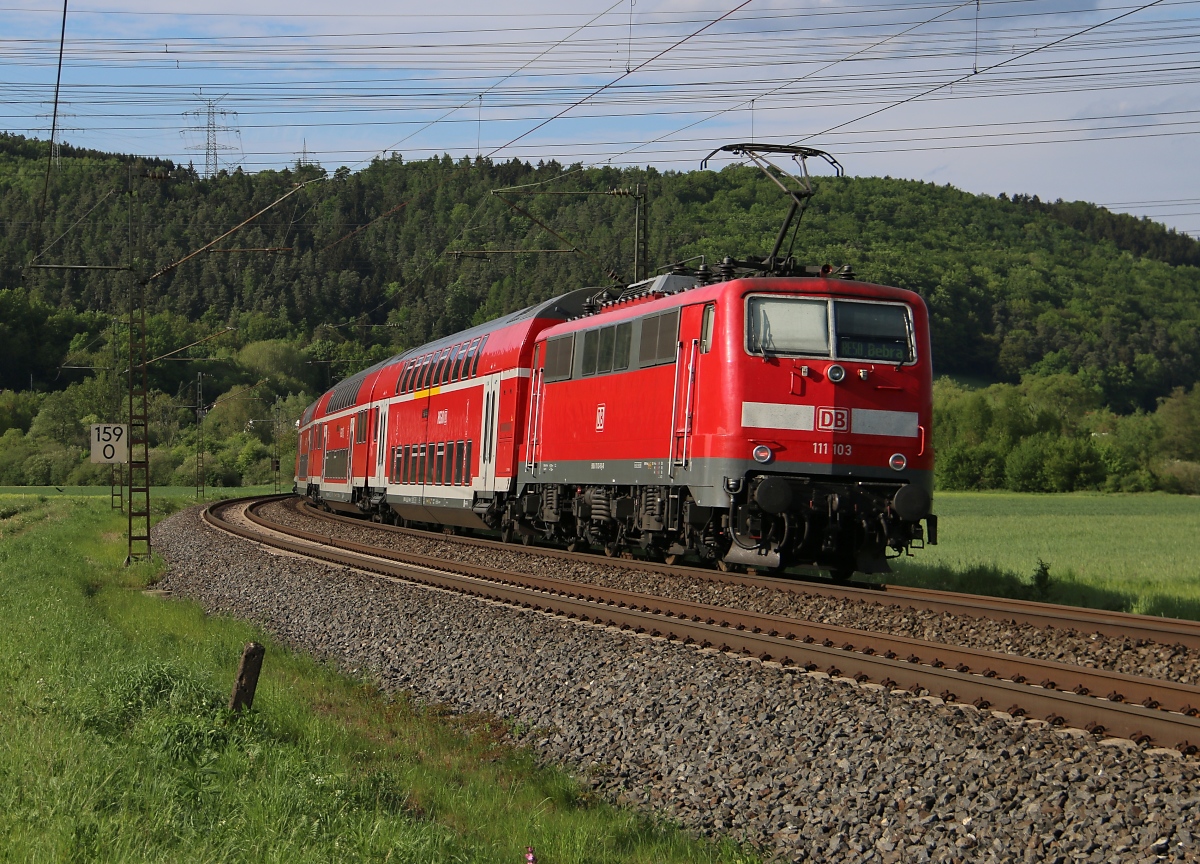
(777, 418)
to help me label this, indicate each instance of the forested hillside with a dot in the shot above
(1021, 291)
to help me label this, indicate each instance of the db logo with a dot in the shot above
(833, 419)
(600, 417)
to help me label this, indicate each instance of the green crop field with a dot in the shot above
(115, 743)
(1138, 553)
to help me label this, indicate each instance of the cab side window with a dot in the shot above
(706, 327)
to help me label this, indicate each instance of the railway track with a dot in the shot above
(1148, 628)
(1099, 701)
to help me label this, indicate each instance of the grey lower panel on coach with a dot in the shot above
(441, 511)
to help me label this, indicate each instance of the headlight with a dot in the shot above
(836, 373)
(897, 462)
(762, 453)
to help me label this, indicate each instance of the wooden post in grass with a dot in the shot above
(247, 677)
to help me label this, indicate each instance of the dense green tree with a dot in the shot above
(1180, 417)
(1013, 286)
(18, 409)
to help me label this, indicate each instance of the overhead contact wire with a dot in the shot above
(991, 68)
(517, 71)
(794, 81)
(622, 77)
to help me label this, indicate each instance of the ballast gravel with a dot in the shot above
(1147, 660)
(803, 767)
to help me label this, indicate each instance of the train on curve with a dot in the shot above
(762, 414)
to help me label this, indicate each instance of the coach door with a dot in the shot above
(350, 450)
(686, 390)
(381, 418)
(488, 430)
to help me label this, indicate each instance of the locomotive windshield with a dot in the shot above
(872, 331)
(785, 325)
(879, 332)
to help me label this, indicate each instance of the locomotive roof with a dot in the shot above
(663, 295)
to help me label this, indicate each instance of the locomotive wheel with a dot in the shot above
(506, 533)
(611, 550)
(671, 560)
(526, 539)
(577, 546)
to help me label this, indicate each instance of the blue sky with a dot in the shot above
(1109, 115)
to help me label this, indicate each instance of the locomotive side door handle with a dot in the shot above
(795, 389)
(921, 440)
(674, 425)
(688, 408)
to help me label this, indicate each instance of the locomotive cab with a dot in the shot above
(833, 399)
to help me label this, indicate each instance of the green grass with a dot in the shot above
(115, 744)
(1138, 553)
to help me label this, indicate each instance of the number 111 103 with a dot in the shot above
(821, 448)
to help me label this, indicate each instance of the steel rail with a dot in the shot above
(1164, 631)
(1049, 674)
(1057, 707)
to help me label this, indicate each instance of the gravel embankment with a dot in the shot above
(1166, 662)
(803, 767)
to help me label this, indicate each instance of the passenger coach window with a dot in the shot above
(787, 325)
(441, 364)
(458, 362)
(402, 383)
(478, 354)
(872, 331)
(466, 369)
